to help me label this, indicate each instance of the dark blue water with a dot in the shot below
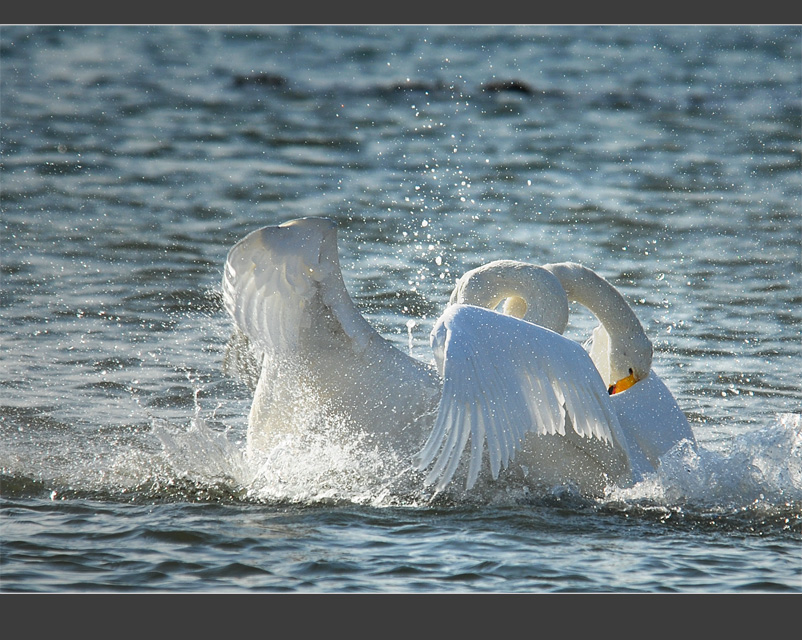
(666, 158)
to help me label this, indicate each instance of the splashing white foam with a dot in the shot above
(759, 467)
(758, 470)
(305, 466)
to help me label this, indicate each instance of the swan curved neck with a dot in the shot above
(589, 289)
(629, 344)
(528, 292)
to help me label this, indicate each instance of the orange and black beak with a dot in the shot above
(623, 384)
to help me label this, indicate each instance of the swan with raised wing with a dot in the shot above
(508, 382)
(650, 421)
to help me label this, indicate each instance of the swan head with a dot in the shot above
(523, 290)
(620, 349)
(630, 360)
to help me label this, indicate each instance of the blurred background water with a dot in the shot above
(133, 158)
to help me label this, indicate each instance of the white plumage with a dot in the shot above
(512, 386)
(507, 381)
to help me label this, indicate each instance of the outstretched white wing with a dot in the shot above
(276, 275)
(503, 378)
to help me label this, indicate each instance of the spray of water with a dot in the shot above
(760, 468)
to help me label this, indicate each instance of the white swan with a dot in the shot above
(648, 416)
(648, 413)
(296, 328)
(518, 388)
(293, 317)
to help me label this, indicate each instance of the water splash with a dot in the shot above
(760, 470)
(200, 454)
(411, 324)
(324, 462)
(755, 475)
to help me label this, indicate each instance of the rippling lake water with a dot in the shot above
(666, 158)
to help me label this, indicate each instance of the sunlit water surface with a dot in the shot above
(668, 159)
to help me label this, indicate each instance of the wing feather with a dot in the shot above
(477, 440)
(447, 455)
(503, 378)
(490, 394)
(262, 292)
(277, 277)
